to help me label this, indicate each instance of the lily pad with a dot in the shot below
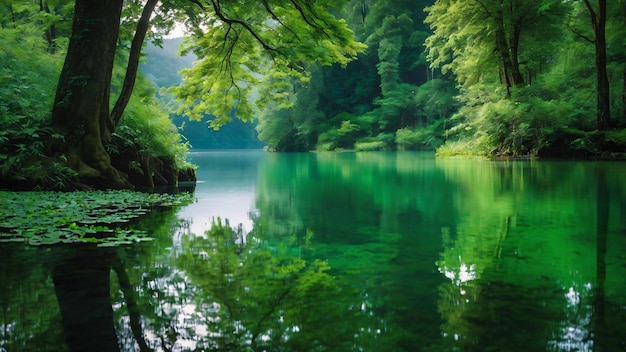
(47, 218)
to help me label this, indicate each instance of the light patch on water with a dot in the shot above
(573, 297)
(465, 273)
(575, 335)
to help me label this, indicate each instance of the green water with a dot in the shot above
(345, 252)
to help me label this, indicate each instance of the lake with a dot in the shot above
(378, 251)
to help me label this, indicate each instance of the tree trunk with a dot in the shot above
(604, 99)
(510, 65)
(133, 62)
(624, 79)
(518, 78)
(81, 106)
(51, 35)
(598, 21)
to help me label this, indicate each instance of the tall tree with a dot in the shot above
(624, 71)
(598, 22)
(81, 106)
(242, 40)
(467, 34)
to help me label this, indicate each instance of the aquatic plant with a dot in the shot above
(101, 217)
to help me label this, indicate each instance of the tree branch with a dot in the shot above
(133, 62)
(308, 20)
(271, 12)
(573, 30)
(249, 29)
(198, 3)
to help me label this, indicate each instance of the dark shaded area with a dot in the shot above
(573, 143)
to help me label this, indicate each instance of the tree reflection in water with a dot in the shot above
(532, 287)
(228, 290)
(505, 256)
(81, 281)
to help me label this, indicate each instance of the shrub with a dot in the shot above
(370, 146)
(460, 148)
(523, 124)
(408, 139)
(28, 78)
(339, 137)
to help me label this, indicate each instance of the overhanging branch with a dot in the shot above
(245, 25)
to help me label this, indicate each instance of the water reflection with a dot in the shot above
(349, 252)
(81, 283)
(538, 282)
(226, 188)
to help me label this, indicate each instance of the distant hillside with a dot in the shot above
(162, 64)
(161, 67)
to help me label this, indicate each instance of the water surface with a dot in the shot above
(345, 252)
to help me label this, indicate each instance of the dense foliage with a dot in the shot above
(161, 67)
(508, 78)
(462, 77)
(242, 48)
(364, 104)
(30, 69)
(523, 92)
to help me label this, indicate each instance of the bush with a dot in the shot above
(28, 77)
(523, 124)
(145, 128)
(370, 146)
(408, 139)
(339, 137)
(460, 148)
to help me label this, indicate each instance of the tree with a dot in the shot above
(242, 40)
(375, 92)
(598, 22)
(467, 34)
(500, 54)
(81, 106)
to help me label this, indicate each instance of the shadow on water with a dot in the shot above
(606, 332)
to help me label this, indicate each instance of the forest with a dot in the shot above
(503, 79)
(469, 245)
(496, 78)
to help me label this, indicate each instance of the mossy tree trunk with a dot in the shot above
(81, 109)
(81, 105)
